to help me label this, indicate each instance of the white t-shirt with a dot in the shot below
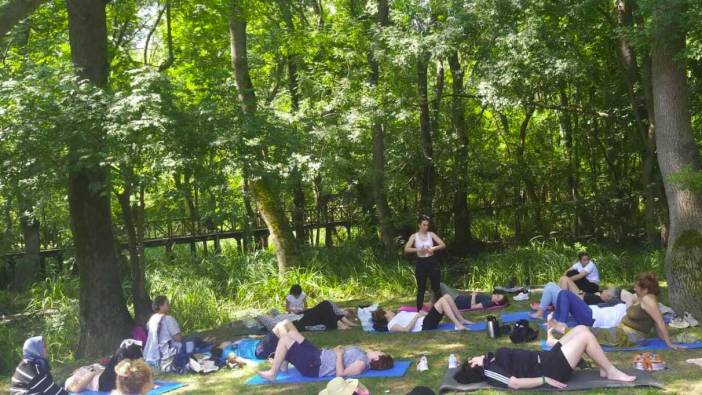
(296, 304)
(593, 275)
(608, 317)
(403, 319)
(169, 328)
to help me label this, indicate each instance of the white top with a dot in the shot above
(296, 303)
(593, 275)
(608, 317)
(169, 328)
(403, 318)
(422, 242)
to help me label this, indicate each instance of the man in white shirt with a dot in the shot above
(582, 276)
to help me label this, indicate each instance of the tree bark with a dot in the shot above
(677, 151)
(427, 168)
(104, 319)
(14, 11)
(263, 187)
(642, 108)
(387, 230)
(567, 130)
(461, 216)
(28, 266)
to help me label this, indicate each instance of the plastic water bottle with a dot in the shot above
(452, 361)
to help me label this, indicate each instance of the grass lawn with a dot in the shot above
(679, 378)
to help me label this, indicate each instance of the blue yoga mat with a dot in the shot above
(293, 376)
(160, 387)
(505, 318)
(646, 344)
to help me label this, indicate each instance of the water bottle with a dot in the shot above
(492, 327)
(452, 361)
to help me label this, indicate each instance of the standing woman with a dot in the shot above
(424, 243)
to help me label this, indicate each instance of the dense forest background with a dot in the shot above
(506, 121)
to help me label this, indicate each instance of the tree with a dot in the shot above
(264, 183)
(13, 11)
(677, 153)
(104, 319)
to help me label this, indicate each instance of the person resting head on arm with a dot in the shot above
(523, 369)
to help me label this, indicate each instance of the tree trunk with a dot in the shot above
(28, 266)
(427, 169)
(677, 152)
(387, 230)
(13, 11)
(642, 109)
(104, 319)
(287, 251)
(567, 130)
(461, 216)
(132, 216)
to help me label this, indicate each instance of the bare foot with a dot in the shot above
(460, 328)
(267, 374)
(554, 325)
(550, 339)
(618, 375)
(341, 326)
(603, 373)
(466, 322)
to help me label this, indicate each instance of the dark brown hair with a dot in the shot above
(384, 362)
(380, 323)
(648, 281)
(159, 301)
(423, 218)
(502, 302)
(581, 254)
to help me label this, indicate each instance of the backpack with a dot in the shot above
(523, 333)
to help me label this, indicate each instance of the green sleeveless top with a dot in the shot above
(637, 318)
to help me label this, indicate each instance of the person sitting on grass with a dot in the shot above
(619, 326)
(312, 361)
(607, 298)
(405, 321)
(474, 300)
(33, 374)
(164, 339)
(134, 377)
(523, 369)
(95, 377)
(582, 276)
(296, 301)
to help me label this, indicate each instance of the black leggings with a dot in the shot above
(427, 267)
(321, 314)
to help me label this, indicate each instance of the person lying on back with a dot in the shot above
(474, 300)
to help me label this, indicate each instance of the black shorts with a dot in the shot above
(583, 284)
(431, 321)
(555, 365)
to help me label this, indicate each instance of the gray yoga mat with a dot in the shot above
(582, 380)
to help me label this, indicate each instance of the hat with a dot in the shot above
(339, 386)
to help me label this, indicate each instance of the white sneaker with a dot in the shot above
(423, 364)
(690, 319)
(522, 296)
(679, 323)
(452, 361)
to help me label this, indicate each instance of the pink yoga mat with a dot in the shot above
(427, 306)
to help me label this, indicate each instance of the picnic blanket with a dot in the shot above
(293, 376)
(582, 380)
(160, 387)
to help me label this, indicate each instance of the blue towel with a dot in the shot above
(160, 387)
(293, 376)
(646, 344)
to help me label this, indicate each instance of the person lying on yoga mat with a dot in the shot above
(405, 321)
(241, 350)
(619, 326)
(324, 316)
(474, 300)
(608, 297)
(522, 369)
(312, 361)
(582, 276)
(33, 374)
(96, 377)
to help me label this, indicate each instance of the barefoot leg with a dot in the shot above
(281, 351)
(581, 341)
(444, 308)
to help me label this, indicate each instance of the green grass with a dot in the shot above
(214, 290)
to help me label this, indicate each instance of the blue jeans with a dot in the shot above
(569, 304)
(551, 291)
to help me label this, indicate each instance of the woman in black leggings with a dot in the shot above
(424, 243)
(323, 314)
